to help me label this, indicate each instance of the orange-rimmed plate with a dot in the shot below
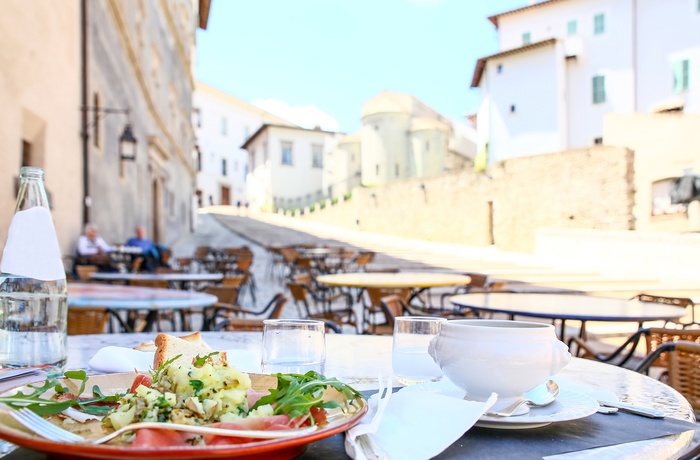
(285, 448)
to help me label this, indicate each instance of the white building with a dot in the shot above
(223, 123)
(286, 166)
(563, 64)
(400, 138)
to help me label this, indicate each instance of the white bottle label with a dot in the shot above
(32, 248)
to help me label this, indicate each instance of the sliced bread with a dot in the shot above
(188, 347)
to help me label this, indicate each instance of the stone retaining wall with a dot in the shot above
(579, 189)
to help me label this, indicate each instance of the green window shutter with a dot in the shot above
(681, 75)
(598, 89)
(599, 24)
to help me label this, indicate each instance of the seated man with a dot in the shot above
(91, 243)
(147, 246)
(93, 250)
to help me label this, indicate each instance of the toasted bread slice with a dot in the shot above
(195, 338)
(168, 347)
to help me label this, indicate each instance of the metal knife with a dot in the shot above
(632, 409)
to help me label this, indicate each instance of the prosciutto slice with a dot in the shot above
(163, 438)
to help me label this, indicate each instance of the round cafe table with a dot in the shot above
(359, 360)
(117, 297)
(565, 307)
(414, 280)
(179, 278)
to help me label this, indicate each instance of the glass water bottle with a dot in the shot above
(33, 289)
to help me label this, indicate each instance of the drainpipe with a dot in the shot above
(83, 105)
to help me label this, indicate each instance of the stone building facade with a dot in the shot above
(140, 58)
(74, 74)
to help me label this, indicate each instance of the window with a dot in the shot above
(198, 117)
(599, 24)
(224, 126)
(287, 153)
(199, 160)
(571, 27)
(223, 167)
(681, 75)
(499, 69)
(598, 89)
(376, 169)
(598, 141)
(246, 133)
(527, 38)
(698, 6)
(317, 156)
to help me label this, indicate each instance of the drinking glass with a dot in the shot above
(410, 360)
(293, 346)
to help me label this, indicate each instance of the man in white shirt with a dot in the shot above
(91, 243)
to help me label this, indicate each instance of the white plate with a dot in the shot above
(570, 405)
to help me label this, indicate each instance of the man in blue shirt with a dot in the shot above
(148, 247)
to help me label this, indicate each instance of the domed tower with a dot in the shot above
(401, 137)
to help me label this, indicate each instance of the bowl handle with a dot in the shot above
(560, 356)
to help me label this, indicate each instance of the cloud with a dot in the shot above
(306, 116)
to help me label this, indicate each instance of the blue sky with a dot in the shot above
(318, 61)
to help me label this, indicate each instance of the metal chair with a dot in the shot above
(227, 297)
(683, 360)
(272, 310)
(623, 354)
(392, 306)
(674, 301)
(83, 272)
(317, 304)
(92, 320)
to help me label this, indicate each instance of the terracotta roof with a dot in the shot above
(494, 18)
(271, 125)
(481, 63)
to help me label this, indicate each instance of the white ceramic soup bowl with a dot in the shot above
(509, 358)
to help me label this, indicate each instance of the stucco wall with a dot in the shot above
(586, 188)
(39, 88)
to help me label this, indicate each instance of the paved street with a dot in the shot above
(226, 228)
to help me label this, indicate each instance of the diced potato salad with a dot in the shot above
(189, 395)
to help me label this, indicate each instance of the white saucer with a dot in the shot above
(570, 405)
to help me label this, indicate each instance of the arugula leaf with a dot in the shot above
(156, 374)
(34, 401)
(296, 394)
(200, 361)
(197, 385)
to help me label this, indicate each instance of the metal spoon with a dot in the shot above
(540, 396)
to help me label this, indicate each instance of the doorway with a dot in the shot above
(225, 195)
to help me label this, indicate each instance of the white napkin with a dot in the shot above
(413, 424)
(121, 359)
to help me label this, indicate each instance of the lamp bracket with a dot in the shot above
(103, 112)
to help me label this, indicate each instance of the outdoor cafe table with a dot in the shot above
(131, 298)
(175, 278)
(416, 281)
(359, 359)
(565, 307)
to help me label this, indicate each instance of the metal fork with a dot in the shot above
(50, 431)
(44, 428)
